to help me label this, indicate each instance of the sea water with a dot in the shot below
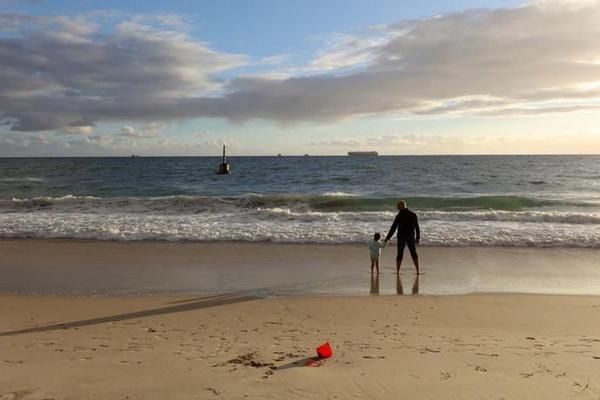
(533, 201)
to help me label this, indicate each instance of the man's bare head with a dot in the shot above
(401, 205)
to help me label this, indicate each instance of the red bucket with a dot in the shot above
(325, 350)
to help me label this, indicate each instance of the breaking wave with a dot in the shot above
(326, 218)
(326, 203)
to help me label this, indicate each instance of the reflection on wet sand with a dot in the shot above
(415, 288)
(400, 289)
(375, 284)
(375, 288)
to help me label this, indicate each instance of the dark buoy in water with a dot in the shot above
(224, 167)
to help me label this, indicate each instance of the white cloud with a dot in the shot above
(347, 51)
(337, 142)
(55, 71)
(203, 134)
(218, 143)
(129, 131)
(149, 131)
(480, 62)
(76, 130)
(538, 58)
(415, 143)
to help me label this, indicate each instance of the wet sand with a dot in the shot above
(115, 268)
(488, 346)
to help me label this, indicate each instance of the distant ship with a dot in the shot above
(362, 153)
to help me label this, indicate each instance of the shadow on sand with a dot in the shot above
(181, 306)
(304, 362)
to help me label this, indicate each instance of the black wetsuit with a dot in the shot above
(409, 232)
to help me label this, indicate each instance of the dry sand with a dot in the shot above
(487, 346)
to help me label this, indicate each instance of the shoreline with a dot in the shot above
(60, 266)
(272, 243)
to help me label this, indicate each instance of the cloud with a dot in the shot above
(502, 58)
(337, 142)
(23, 140)
(347, 51)
(148, 131)
(203, 133)
(218, 143)
(76, 130)
(129, 131)
(57, 70)
(431, 143)
(384, 141)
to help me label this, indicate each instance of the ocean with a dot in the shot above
(516, 201)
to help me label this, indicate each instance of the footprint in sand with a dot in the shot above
(428, 350)
(127, 362)
(213, 391)
(541, 369)
(22, 394)
(44, 342)
(487, 355)
(11, 362)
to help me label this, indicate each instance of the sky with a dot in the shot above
(96, 78)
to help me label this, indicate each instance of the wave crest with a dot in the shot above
(324, 203)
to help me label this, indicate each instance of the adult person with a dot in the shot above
(409, 234)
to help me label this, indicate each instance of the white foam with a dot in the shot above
(24, 179)
(339, 194)
(334, 228)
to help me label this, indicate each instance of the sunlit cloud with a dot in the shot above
(58, 72)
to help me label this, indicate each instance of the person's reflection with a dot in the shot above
(400, 289)
(375, 284)
(415, 289)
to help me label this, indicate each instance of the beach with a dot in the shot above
(240, 320)
(332, 200)
(154, 278)
(486, 346)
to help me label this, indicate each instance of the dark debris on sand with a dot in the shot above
(250, 360)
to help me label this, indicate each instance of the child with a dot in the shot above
(375, 248)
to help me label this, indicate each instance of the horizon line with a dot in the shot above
(310, 155)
